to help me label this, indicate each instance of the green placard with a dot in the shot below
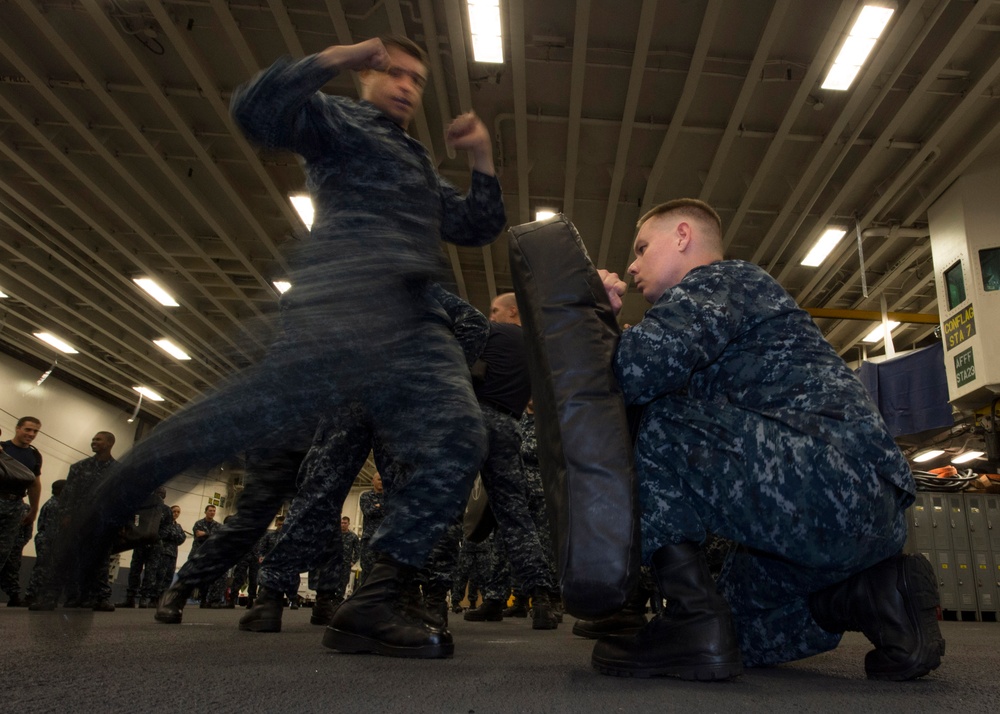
(959, 327)
(965, 368)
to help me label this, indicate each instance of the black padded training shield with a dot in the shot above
(584, 446)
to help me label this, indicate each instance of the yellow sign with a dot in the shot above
(958, 328)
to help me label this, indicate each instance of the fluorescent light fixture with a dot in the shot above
(824, 246)
(927, 455)
(57, 343)
(282, 286)
(148, 393)
(967, 456)
(543, 213)
(487, 38)
(3, 294)
(171, 349)
(878, 334)
(303, 205)
(159, 294)
(858, 46)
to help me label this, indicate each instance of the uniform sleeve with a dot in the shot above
(686, 330)
(281, 108)
(476, 218)
(471, 327)
(355, 549)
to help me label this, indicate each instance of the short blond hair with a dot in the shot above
(690, 207)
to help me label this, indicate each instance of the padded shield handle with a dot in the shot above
(584, 446)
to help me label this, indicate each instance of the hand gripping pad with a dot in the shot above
(584, 446)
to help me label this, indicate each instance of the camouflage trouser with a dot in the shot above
(504, 481)
(475, 566)
(540, 516)
(270, 481)
(165, 569)
(422, 407)
(41, 573)
(10, 570)
(143, 571)
(439, 573)
(431, 441)
(806, 515)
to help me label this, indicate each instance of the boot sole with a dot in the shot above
(168, 619)
(919, 583)
(261, 626)
(715, 672)
(350, 643)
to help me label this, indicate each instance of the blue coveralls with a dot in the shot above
(756, 430)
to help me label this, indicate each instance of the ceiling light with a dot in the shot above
(878, 334)
(171, 349)
(487, 37)
(858, 46)
(303, 205)
(967, 456)
(927, 456)
(3, 294)
(148, 393)
(159, 294)
(282, 286)
(57, 343)
(824, 246)
(543, 213)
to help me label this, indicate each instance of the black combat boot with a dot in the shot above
(15, 601)
(129, 602)
(518, 608)
(436, 605)
(543, 614)
(693, 638)
(374, 620)
(628, 621)
(265, 615)
(894, 603)
(326, 603)
(488, 611)
(170, 609)
(104, 605)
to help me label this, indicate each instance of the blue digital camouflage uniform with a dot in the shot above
(171, 536)
(211, 591)
(360, 306)
(373, 510)
(82, 486)
(475, 565)
(270, 481)
(341, 445)
(350, 546)
(536, 491)
(502, 472)
(45, 529)
(756, 430)
(144, 567)
(10, 573)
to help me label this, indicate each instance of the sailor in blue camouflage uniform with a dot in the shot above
(756, 430)
(504, 389)
(536, 491)
(40, 584)
(341, 445)
(270, 481)
(372, 504)
(171, 536)
(350, 546)
(475, 564)
(358, 323)
(210, 592)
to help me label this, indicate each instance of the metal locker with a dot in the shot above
(941, 556)
(982, 561)
(919, 532)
